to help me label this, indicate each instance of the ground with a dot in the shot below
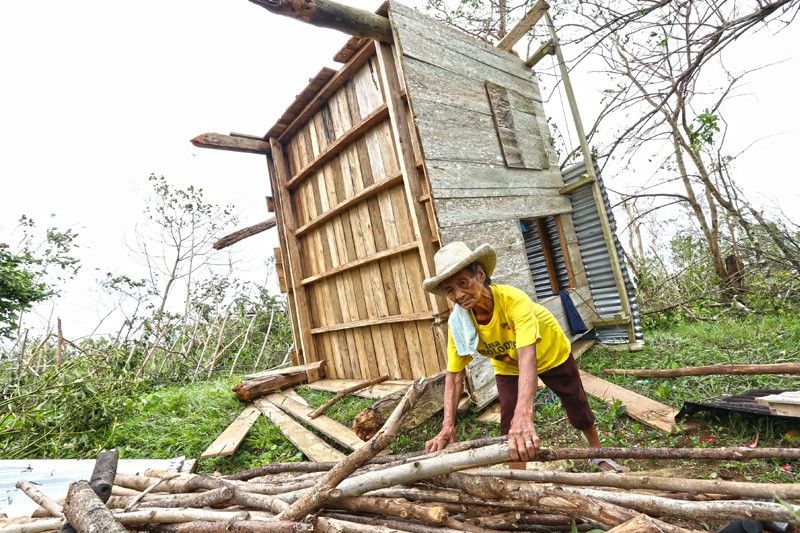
(183, 421)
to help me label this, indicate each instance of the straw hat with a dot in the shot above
(455, 256)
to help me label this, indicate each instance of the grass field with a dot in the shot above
(183, 420)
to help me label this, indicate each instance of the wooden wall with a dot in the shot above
(488, 152)
(357, 242)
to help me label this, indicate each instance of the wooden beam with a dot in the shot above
(229, 440)
(329, 14)
(584, 181)
(342, 76)
(312, 371)
(611, 321)
(547, 49)
(375, 392)
(392, 319)
(336, 147)
(360, 262)
(523, 26)
(270, 204)
(304, 440)
(240, 235)
(362, 195)
(218, 141)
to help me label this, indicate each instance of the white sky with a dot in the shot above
(96, 95)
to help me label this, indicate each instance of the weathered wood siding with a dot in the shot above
(357, 274)
(488, 152)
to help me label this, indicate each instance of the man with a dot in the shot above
(523, 340)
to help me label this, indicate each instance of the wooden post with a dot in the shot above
(329, 14)
(523, 26)
(596, 193)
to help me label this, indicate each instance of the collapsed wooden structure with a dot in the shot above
(425, 136)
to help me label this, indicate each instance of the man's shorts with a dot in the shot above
(564, 380)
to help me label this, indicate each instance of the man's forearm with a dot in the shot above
(453, 386)
(528, 382)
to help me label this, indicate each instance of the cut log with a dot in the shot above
(341, 394)
(219, 141)
(236, 526)
(87, 513)
(711, 370)
(240, 235)
(319, 495)
(329, 14)
(273, 381)
(638, 524)
(229, 440)
(103, 474)
(371, 419)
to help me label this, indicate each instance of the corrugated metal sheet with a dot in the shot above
(596, 260)
(55, 475)
(742, 403)
(534, 251)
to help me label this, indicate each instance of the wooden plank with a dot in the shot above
(399, 112)
(378, 391)
(638, 407)
(575, 185)
(229, 440)
(351, 201)
(546, 49)
(300, 101)
(339, 433)
(390, 319)
(279, 269)
(219, 141)
(369, 122)
(522, 27)
(321, 97)
(312, 371)
(304, 440)
(783, 404)
(304, 341)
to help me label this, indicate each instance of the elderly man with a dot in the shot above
(523, 340)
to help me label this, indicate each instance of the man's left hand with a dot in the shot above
(523, 443)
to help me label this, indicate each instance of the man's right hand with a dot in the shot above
(446, 436)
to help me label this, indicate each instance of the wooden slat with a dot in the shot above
(340, 144)
(392, 319)
(638, 407)
(562, 239)
(322, 96)
(304, 440)
(547, 49)
(378, 391)
(312, 371)
(229, 440)
(362, 195)
(219, 141)
(339, 433)
(301, 302)
(575, 185)
(300, 101)
(377, 256)
(399, 112)
(523, 26)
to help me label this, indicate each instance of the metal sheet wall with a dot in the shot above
(596, 258)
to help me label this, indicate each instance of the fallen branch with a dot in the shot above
(243, 233)
(236, 526)
(341, 394)
(31, 490)
(711, 370)
(316, 497)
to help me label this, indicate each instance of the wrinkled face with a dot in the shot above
(465, 289)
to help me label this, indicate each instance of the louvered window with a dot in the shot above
(547, 256)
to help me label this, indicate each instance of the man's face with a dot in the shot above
(464, 288)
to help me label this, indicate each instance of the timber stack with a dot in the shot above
(446, 491)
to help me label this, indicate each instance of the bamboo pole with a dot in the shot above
(693, 486)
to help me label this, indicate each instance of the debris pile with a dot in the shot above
(450, 490)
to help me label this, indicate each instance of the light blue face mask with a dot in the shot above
(465, 335)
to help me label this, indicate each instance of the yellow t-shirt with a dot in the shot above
(516, 321)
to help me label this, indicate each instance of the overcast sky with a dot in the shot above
(96, 95)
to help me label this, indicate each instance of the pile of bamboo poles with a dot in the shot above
(444, 491)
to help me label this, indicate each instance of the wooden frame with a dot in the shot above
(547, 251)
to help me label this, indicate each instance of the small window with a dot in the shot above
(548, 258)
